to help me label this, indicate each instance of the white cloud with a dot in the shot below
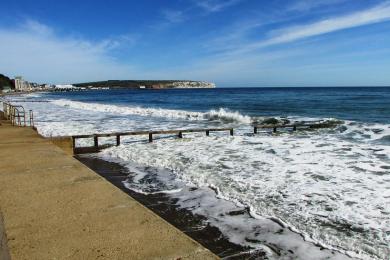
(36, 27)
(305, 5)
(377, 14)
(173, 16)
(36, 52)
(216, 5)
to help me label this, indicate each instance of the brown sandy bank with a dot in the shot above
(54, 207)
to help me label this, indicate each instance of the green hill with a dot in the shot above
(127, 83)
(6, 82)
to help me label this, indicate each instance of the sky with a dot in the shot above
(233, 43)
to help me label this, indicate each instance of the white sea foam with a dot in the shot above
(332, 191)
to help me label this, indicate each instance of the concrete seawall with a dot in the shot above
(54, 207)
(4, 253)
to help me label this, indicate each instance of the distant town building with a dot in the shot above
(65, 87)
(21, 84)
(6, 89)
(18, 83)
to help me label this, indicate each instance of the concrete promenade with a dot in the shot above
(54, 207)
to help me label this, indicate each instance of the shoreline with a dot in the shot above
(210, 236)
(22, 93)
(164, 206)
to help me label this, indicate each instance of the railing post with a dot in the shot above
(73, 143)
(207, 132)
(150, 137)
(19, 122)
(31, 118)
(231, 132)
(255, 130)
(118, 140)
(12, 115)
(96, 142)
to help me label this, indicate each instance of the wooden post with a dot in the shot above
(180, 135)
(73, 143)
(150, 137)
(207, 132)
(231, 132)
(255, 130)
(96, 142)
(118, 140)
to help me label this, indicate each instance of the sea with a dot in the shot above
(310, 194)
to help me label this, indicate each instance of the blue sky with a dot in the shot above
(241, 43)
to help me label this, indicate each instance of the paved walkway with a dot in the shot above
(54, 207)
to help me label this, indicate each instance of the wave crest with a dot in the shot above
(221, 114)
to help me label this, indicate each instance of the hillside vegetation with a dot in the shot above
(5, 82)
(144, 83)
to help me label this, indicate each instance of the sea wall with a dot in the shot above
(4, 253)
(65, 143)
(54, 207)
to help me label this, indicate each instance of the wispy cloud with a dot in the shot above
(173, 16)
(305, 5)
(35, 51)
(377, 14)
(216, 5)
(36, 27)
(374, 15)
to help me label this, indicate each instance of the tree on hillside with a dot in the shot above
(6, 82)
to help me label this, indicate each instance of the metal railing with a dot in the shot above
(16, 114)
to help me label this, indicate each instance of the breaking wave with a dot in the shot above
(221, 114)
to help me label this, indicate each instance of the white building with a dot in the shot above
(65, 87)
(18, 83)
(21, 85)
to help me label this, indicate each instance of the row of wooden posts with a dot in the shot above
(311, 124)
(180, 133)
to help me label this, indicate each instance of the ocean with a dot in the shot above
(316, 194)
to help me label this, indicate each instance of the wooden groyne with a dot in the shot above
(296, 126)
(179, 133)
(54, 207)
(96, 147)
